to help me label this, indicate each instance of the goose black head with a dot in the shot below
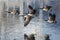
(9, 12)
(51, 18)
(50, 15)
(30, 7)
(25, 36)
(33, 12)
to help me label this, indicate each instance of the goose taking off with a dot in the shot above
(29, 16)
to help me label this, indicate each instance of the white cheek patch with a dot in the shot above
(45, 9)
(25, 16)
(13, 12)
(49, 18)
(30, 14)
(50, 21)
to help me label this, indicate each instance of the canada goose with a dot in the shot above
(25, 36)
(12, 12)
(46, 8)
(30, 7)
(51, 18)
(29, 16)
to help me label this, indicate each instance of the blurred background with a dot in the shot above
(12, 26)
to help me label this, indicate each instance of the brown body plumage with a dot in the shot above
(28, 17)
(27, 20)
